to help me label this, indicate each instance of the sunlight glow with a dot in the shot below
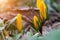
(3, 1)
(6, 4)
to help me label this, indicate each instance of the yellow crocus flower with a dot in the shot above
(35, 21)
(19, 22)
(42, 8)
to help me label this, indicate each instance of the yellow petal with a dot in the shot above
(19, 22)
(41, 17)
(38, 2)
(35, 22)
(42, 8)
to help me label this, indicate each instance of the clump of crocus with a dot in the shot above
(42, 9)
(19, 22)
(36, 23)
(43, 15)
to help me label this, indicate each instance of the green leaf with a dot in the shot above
(17, 36)
(30, 34)
(34, 37)
(53, 35)
(41, 38)
(1, 23)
